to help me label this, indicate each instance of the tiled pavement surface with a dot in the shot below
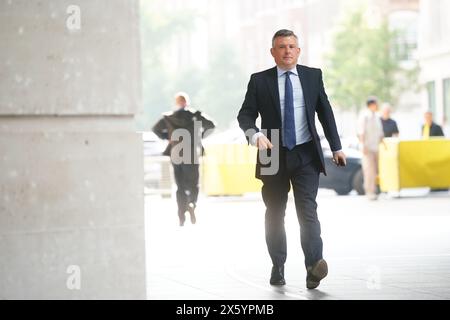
(388, 249)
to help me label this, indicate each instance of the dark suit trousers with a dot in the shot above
(299, 167)
(186, 178)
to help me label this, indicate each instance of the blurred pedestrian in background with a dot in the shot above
(431, 129)
(176, 126)
(370, 134)
(390, 128)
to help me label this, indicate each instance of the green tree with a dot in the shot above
(217, 89)
(157, 30)
(223, 85)
(362, 63)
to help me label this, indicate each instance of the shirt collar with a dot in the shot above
(281, 72)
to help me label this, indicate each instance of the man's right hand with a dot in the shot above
(263, 143)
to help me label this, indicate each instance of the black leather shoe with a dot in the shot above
(316, 273)
(277, 276)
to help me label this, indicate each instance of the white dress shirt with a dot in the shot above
(302, 133)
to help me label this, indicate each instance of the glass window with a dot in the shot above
(431, 90)
(446, 90)
(405, 24)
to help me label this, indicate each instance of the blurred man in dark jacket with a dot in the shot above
(184, 128)
(430, 128)
(390, 127)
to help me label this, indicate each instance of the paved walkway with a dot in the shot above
(389, 249)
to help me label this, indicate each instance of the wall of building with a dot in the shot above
(71, 204)
(434, 54)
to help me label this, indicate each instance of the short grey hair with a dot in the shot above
(386, 106)
(283, 33)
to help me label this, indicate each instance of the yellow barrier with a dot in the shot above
(412, 164)
(229, 169)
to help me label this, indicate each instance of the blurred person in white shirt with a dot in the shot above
(370, 134)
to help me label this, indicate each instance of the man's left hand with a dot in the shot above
(339, 159)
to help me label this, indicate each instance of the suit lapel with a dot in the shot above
(304, 81)
(272, 83)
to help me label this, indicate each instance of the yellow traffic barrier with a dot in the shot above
(413, 164)
(229, 169)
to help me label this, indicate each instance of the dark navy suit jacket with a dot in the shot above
(262, 98)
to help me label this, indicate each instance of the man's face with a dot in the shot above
(285, 51)
(373, 106)
(386, 112)
(428, 118)
(180, 102)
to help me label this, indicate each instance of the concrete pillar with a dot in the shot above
(71, 172)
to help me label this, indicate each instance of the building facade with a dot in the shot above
(434, 57)
(71, 190)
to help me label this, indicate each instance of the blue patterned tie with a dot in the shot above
(289, 121)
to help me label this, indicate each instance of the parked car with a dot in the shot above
(343, 179)
(157, 169)
(153, 146)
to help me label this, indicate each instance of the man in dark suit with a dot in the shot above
(184, 128)
(430, 128)
(287, 97)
